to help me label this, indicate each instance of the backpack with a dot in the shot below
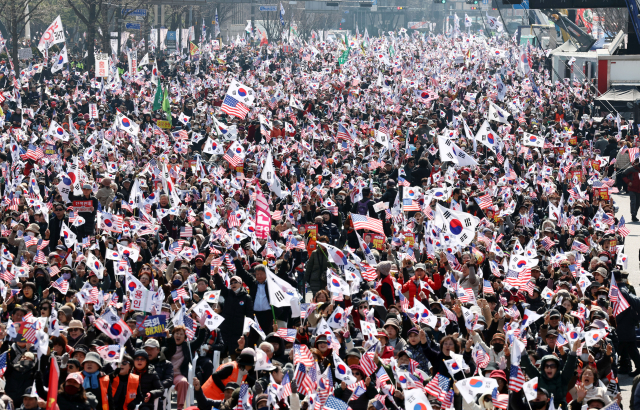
(363, 207)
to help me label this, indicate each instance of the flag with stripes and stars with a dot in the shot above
(579, 246)
(500, 401)
(486, 287)
(231, 106)
(616, 298)
(302, 354)
(3, 363)
(516, 379)
(438, 385)
(367, 363)
(62, 285)
(622, 228)
(191, 326)
(288, 335)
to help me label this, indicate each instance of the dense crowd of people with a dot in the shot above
(400, 222)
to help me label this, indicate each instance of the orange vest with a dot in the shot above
(211, 390)
(104, 388)
(132, 388)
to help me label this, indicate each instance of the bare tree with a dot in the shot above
(612, 20)
(308, 22)
(92, 13)
(16, 14)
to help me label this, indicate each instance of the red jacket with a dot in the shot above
(388, 295)
(412, 288)
(632, 179)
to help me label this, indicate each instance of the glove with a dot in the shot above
(65, 360)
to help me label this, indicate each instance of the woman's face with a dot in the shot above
(144, 279)
(587, 377)
(447, 347)
(179, 336)
(414, 339)
(321, 297)
(27, 291)
(567, 305)
(59, 350)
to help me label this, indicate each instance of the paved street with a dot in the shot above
(632, 245)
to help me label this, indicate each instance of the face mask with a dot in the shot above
(588, 386)
(71, 390)
(498, 347)
(110, 246)
(584, 357)
(537, 405)
(176, 283)
(66, 276)
(124, 243)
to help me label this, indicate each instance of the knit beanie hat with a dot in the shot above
(384, 268)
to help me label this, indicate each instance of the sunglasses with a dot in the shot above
(550, 366)
(357, 374)
(233, 282)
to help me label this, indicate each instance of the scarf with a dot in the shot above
(90, 380)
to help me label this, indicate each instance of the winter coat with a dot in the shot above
(316, 272)
(105, 196)
(628, 319)
(559, 384)
(361, 402)
(632, 179)
(236, 307)
(72, 402)
(164, 369)
(188, 352)
(150, 383)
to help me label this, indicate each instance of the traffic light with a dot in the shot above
(399, 8)
(471, 1)
(440, 1)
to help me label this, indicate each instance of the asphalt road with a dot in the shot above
(632, 244)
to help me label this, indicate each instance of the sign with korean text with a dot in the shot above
(152, 326)
(83, 206)
(102, 64)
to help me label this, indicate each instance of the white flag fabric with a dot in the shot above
(487, 137)
(532, 140)
(268, 172)
(241, 92)
(416, 399)
(342, 371)
(213, 147)
(530, 389)
(280, 292)
(472, 386)
(53, 35)
(461, 226)
(498, 114)
(144, 61)
(62, 59)
(95, 265)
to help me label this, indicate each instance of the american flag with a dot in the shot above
(359, 391)
(486, 287)
(325, 386)
(365, 222)
(186, 232)
(62, 285)
(580, 247)
(480, 357)
(40, 258)
(633, 153)
(286, 386)
(243, 397)
(484, 201)
(3, 363)
(516, 379)
(302, 354)
(179, 294)
(32, 241)
(287, 334)
(404, 303)
(231, 106)
(622, 228)
(500, 401)
(382, 377)
(620, 304)
(229, 263)
(515, 278)
(547, 242)
(233, 158)
(343, 133)
(306, 379)
(439, 385)
(335, 404)
(191, 326)
(367, 362)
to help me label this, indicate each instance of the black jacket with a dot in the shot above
(72, 402)
(236, 307)
(164, 368)
(150, 383)
(187, 351)
(55, 226)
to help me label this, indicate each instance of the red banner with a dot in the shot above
(263, 217)
(54, 379)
